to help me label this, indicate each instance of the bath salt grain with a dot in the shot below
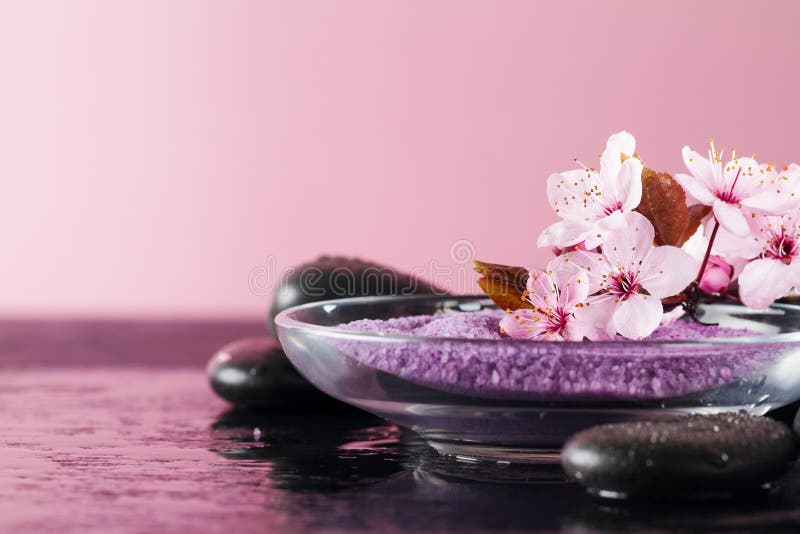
(551, 371)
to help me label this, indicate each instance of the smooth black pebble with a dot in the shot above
(333, 277)
(255, 372)
(680, 456)
(796, 424)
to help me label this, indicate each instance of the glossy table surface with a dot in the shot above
(111, 426)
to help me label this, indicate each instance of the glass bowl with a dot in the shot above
(517, 401)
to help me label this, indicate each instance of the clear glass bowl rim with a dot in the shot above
(287, 319)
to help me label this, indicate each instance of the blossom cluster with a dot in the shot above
(610, 276)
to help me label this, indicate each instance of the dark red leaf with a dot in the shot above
(664, 204)
(504, 284)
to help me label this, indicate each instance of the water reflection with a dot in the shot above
(313, 452)
(355, 472)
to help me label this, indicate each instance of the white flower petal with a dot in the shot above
(700, 167)
(696, 188)
(638, 316)
(542, 290)
(730, 217)
(566, 192)
(729, 245)
(628, 185)
(564, 234)
(771, 203)
(667, 271)
(595, 317)
(618, 144)
(572, 331)
(742, 176)
(764, 280)
(612, 223)
(626, 247)
(573, 291)
(592, 264)
(520, 324)
(774, 192)
(696, 245)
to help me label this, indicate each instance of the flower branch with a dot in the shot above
(630, 240)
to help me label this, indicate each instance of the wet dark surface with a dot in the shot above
(123, 434)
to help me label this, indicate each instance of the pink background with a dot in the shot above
(154, 154)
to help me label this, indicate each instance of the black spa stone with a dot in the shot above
(680, 456)
(254, 372)
(334, 277)
(796, 424)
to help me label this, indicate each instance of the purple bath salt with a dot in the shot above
(484, 325)
(474, 360)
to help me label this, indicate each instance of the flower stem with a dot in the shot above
(708, 253)
(692, 293)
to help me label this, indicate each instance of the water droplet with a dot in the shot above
(718, 458)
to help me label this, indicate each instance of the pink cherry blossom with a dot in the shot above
(776, 270)
(591, 202)
(738, 188)
(630, 276)
(558, 301)
(719, 273)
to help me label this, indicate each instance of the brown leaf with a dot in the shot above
(697, 213)
(664, 204)
(504, 295)
(517, 276)
(504, 284)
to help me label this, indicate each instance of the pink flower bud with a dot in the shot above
(717, 276)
